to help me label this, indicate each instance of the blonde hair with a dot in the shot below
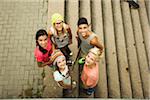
(96, 52)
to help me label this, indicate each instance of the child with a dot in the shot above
(43, 49)
(61, 74)
(86, 38)
(61, 35)
(90, 73)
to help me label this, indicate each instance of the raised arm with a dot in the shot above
(70, 33)
(96, 42)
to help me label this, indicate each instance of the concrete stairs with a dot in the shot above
(124, 69)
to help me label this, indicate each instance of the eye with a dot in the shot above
(80, 27)
(40, 39)
(45, 39)
(58, 62)
(84, 27)
(92, 59)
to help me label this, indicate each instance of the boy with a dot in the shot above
(86, 38)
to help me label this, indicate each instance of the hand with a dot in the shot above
(50, 61)
(81, 61)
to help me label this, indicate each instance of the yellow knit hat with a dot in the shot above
(55, 17)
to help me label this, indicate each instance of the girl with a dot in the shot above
(86, 38)
(43, 49)
(61, 74)
(90, 73)
(61, 35)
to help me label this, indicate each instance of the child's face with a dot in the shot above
(42, 40)
(83, 29)
(58, 25)
(90, 59)
(61, 63)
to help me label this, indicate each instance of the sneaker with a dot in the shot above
(74, 84)
(70, 62)
(71, 54)
(66, 91)
(90, 91)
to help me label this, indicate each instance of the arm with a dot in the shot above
(95, 42)
(70, 33)
(65, 85)
(41, 64)
(50, 35)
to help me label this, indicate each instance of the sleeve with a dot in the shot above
(70, 33)
(57, 76)
(38, 56)
(67, 27)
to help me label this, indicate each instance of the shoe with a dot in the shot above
(71, 54)
(90, 91)
(74, 84)
(67, 91)
(70, 62)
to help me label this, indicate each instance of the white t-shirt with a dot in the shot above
(63, 76)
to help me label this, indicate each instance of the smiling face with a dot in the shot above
(61, 62)
(58, 25)
(90, 59)
(83, 29)
(42, 41)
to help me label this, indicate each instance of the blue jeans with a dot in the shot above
(89, 91)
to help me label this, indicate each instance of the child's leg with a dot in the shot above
(69, 51)
(90, 91)
(63, 50)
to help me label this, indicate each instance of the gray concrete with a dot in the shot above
(19, 21)
(125, 84)
(97, 27)
(136, 84)
(110, 49)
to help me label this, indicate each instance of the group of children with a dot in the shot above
(52, 50)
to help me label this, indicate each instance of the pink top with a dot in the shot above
(40, 57)
(90, 76)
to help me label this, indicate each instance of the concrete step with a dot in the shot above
(71, 17)
(97, 27)
(137, 91)
(141, 52)
(147, 4)
(123, 67)
(110, 51)
(145, 27)
(124, 32)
